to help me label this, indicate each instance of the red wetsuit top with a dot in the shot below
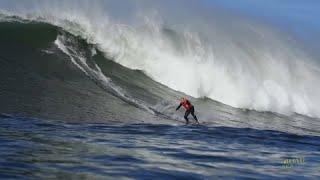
(186, 104)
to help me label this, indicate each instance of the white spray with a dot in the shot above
(235, 61)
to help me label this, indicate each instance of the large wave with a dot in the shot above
(236, 61)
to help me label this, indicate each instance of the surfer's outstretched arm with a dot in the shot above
(179, 107)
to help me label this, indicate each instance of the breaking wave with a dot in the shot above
(244, 64)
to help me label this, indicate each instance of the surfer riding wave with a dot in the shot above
(189, 109)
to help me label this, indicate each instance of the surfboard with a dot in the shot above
(191, 122)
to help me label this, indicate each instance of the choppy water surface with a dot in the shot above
(32, 148)
(101, 82)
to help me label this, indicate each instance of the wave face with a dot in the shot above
(89, 88)
(87, 65)
(47, 72)
(244, 64)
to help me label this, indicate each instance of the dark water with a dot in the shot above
(42, 149)
(83, 128)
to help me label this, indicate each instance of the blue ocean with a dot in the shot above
(89, 90)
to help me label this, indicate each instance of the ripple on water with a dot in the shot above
(39, 148)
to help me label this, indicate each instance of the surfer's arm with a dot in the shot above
(178, 107)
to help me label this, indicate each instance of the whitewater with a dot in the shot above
(234, 60)
(89, 89)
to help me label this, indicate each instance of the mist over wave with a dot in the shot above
(204, 53)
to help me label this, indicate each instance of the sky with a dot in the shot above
(300, 17)
(304, 11)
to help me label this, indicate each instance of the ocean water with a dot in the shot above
(89, 90)
(42, 149)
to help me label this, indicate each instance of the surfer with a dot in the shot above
(189, 109)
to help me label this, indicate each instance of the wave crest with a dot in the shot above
(248, 65)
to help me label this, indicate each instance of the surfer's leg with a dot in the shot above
(194, 116)
(186, 114)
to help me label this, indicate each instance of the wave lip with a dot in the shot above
(249, 66)
(93, 71)
(261, 72)
(62, 76)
